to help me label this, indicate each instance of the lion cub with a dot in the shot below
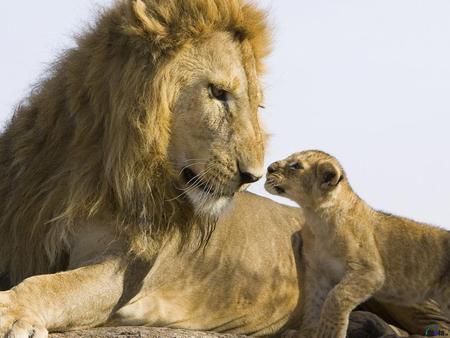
(353, 252)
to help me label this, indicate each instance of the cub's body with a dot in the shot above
(353, 252)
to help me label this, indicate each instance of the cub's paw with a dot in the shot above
(308, 333)
(330, 330)
(290, 334)
(15, 322)
(368, 325)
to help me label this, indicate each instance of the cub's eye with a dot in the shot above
(295, 166)
(218, 93)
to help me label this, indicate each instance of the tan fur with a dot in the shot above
(90, 169)
(245, 281)
(354, 252)
(96, 137)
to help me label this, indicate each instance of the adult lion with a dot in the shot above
(114, 171)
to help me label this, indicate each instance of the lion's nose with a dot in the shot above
(247, 174)
(247, 177)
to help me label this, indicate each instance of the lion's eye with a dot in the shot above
(295, 166)
(218, 93)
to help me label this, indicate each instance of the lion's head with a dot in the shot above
(151, 120)
(216, 144)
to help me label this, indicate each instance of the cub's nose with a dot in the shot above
(272, 168)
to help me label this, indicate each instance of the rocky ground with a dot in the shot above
(362, 325)
(146, 332)
(139, 332)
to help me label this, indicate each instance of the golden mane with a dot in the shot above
(92, 138)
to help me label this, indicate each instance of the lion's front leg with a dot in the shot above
(80, 298)
(18, 322)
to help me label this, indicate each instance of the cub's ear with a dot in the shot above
(328, 174)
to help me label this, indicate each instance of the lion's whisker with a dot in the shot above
(189, 165)
(197, 178)
(205, 194)
(196, 182)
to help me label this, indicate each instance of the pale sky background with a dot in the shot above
(367, 81)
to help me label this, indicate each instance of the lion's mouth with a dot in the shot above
(194, 180)
(207, 199)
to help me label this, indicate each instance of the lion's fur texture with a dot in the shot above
(91, 140)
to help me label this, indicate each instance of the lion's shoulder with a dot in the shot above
(256, 209)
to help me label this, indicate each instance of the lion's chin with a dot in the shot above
(208, 206)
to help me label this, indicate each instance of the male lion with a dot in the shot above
(113, 172)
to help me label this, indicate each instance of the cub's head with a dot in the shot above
(309, 178)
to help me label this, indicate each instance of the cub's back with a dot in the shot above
(411, 250)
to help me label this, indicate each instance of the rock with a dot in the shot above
(139, 332)
(362, 325)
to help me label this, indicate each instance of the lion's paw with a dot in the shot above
(19, 328)
(15, 323)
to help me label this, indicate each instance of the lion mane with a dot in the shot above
(92, 138)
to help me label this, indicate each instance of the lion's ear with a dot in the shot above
(328, 174)
(140, 17)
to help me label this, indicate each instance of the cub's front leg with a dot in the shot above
(80, 298)
(315, 290)
(358, 284)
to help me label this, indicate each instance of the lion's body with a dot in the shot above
(232, 285)
(113, 172)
